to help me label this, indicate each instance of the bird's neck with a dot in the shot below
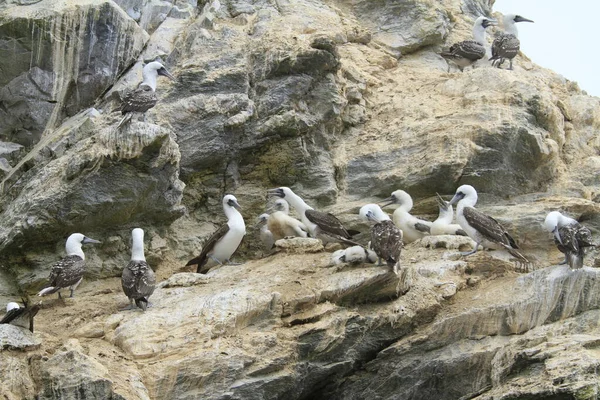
(74, 248)
(234, 219)
(446, 215)
(149, 79)
(511, 28)
(479, 34)
(137, 250)
(296, 201)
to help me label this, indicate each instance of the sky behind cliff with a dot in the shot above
(562, 37)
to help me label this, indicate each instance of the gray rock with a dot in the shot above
(16, 338)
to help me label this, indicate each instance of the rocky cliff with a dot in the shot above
(342, 100)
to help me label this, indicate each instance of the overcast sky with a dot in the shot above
(563, 37)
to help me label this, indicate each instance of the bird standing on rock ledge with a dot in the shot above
(507, 44)
(570, 237)
(467, 52)
(138, 279)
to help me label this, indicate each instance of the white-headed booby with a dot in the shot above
(266, 237)
(412, 227)
(467, 52)
(443, 224)
(386, 238)
(143, 97)
(138, 280)
(68, 272)
(20, 316)
(224, 242)
(283, 206)
(570, 237)
(507, 44)
(484, 230)
(324, 226)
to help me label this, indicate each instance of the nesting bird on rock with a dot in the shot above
(20, 316)
(144, 96)
(266, 237)
(412, 227)
(138, 280)
(467, 52)
(507, 44)
(282, 225)
(224, 242)
(483, 229)
(324, 226)
(68, 272)
(355, 255)
(443, 224)
(386, 238)
(570, 237)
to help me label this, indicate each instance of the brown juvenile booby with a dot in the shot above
(467, 52)
(224, 242)
(324, 226)
(143, 97)
(412, 228)
(20, 316)
(570, 237)
(68, 272)
(507, 44)
(443, 224)
(483, 229)
(138, 280)
(266, 237)
(386, 238)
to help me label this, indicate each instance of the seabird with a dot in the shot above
(386, 238)
(336, 257)
(467, 52)
(282, 225)
(138, 279)
(143, 97)
(483, 229)
(266, 237)
(283, 206)
(68, 272)
(20, 316)
(355, 255)
(507, 44)
(443, 224)
(325, 226)
(570, 237)
(224, 242)
(412, 228)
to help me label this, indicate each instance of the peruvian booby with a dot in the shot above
(507, 44)
(336, 257)
(266, 236)
(68, 272)
(283, 206)
(412, 227)
(443, 224)
(386, 238)
(467, 52)
(484, 230)
(138, 280)
(224, 242)
(20, 316)
(282, 225)
(570, 237)
(143, 97)
(324, 226)
(355, 255)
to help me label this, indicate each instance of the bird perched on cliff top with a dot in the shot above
(507, 44)
(219, 248)
(570, 237)
(386, 238)
(413, 228)
(68, 272)
(324, 226)
(483, 229)
(20, 316)
(138, 280)
(443, 224)
(282, 225)
(143, 97)
(467, 52)
(266, 237)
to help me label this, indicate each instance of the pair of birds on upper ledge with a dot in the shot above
(138, 280)
(505, 46)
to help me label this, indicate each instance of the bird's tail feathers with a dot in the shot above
(48, 290)
(124, 120)
(575, 260)
(142, 303)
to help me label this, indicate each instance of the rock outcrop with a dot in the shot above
(343, 101)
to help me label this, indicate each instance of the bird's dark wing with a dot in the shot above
(139, 100)
(328, 223)
(505, 46)
(423, 227)
(469, 49)
(208, 246)
(13, 314)
(386, 241)
(138, 279)
(488, 227)
(460, 232)
(584, 237)
(67, 271)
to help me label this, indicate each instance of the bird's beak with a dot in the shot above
(441, 202)
(457, 197)
(518, 18)
(89, 240)
(489, 22)
(276, 192)
(237, 205)
(164, 72)
(371, 217)
(387, 202)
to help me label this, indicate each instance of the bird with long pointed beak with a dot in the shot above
(467, 52)
(506, 45)
(412, 228)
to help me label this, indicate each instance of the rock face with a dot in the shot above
(342, 101)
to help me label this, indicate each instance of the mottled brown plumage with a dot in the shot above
(572, 240)
(140, 99)
(386, 241)
(464, 53)
(505, 47)
(327, 223)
